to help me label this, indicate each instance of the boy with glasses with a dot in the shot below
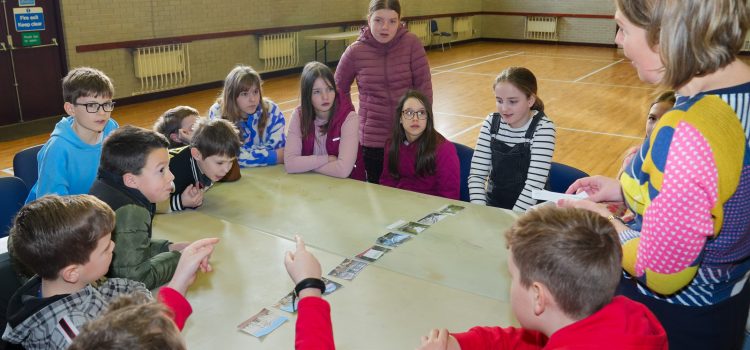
(68, 161)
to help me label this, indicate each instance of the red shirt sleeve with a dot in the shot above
(177, 303)
(500, 338)
(314, 329)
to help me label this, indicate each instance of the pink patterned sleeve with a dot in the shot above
(678, 222)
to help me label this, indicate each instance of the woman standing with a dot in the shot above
(687, 253)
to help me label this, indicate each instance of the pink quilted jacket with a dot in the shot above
(384, 72)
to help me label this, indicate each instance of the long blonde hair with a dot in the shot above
(239, 80)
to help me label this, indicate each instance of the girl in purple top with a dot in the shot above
(323, 131)
(418, 158)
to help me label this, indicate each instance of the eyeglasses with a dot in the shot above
(93, 107)
(410, 115)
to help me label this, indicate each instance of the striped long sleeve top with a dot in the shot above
(689, 188)
(542, 147)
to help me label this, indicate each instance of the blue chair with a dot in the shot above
(465, 153)
(25, 166)
(14, 195)
(437, 33)
(561, 176)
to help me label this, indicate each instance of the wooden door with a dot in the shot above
(35, 50)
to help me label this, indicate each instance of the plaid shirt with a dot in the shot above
(43, 329)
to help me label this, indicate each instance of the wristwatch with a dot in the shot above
(310, 283)
(304, 284)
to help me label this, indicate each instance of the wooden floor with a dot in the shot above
(592, 94)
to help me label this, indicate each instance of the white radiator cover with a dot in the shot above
(161, 67)
(280, 50)
(421, 28)
(541, 28)
(463, 27)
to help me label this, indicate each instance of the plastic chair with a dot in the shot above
(14, 195)
(465, 153)
(25, 166)
(436, 32)
(9, 283)
(561, 176)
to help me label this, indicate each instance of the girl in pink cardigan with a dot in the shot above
(418, 158)
(323, 131)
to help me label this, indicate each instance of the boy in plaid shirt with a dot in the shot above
(67, 243)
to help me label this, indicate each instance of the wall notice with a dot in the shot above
(29, 19)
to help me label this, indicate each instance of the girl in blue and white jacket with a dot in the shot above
(260, 121)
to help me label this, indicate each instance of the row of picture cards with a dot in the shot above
(266, 321)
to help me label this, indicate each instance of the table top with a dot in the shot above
(345, 217)
(452, 275)
(334, 36)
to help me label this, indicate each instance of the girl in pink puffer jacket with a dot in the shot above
(387, 60)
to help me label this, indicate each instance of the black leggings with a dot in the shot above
(373, 158)
(719, 326)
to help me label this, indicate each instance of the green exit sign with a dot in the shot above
(30, 39)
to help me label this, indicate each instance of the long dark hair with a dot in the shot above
(310, 74)
(427, 143)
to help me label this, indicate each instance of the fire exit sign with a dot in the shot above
(29, 19)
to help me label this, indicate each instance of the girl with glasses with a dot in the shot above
(514, 150)
(418, 158)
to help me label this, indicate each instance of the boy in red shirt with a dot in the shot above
(565, 267)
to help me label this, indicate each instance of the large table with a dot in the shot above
(325, 38)
(452, 275)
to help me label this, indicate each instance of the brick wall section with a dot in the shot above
(577, 30)
(100, 21)
(551, 6)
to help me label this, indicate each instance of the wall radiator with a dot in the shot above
(463, 27)
(541, 28)
(351, 29)
(161, 67)
(421, 29)
(279, 51)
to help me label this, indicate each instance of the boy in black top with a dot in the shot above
(213, 148)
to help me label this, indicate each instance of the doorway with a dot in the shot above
(32, 60)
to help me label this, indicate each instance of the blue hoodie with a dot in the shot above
(67, 165)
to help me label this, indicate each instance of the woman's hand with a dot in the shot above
(599, 188)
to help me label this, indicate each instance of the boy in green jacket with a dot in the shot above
(133, 175)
